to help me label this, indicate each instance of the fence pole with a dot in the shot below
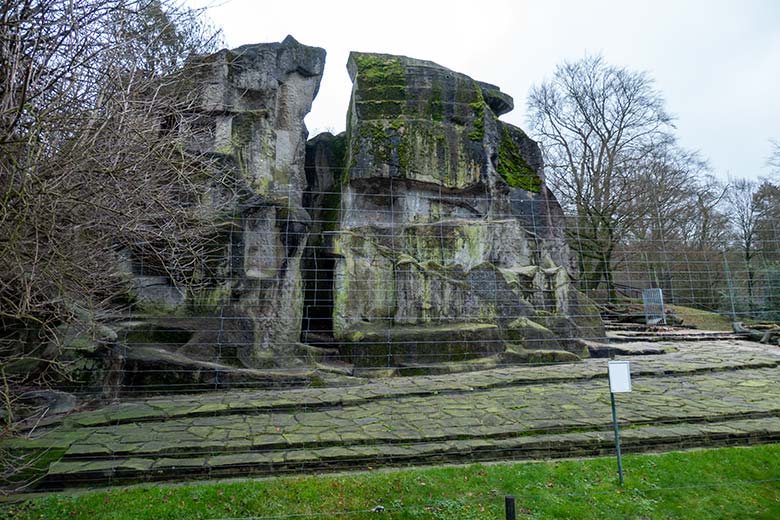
(732, 297)
(617, 437)
(509, 507)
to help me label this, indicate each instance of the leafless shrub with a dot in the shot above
(91, 161)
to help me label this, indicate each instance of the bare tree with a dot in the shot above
(668, 179)
(708, 223)
(767, 202)
(745, 214)
(86, 166)
(668, 217)
(774, 157)
(596, 123)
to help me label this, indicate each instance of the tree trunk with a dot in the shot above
(606, 264)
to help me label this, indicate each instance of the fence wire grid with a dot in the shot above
(351, 328)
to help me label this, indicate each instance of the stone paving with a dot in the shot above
(697, 393)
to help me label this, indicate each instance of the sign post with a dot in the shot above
(619, 382)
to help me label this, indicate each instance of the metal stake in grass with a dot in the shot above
(619, 382)
(509, 507)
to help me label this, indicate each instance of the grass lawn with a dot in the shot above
(701, 319)
(717, 483)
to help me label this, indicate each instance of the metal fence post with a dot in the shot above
(509, 507)
(617, 437)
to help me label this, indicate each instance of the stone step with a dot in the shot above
(112, 471)
(609, 350)
(686, 406)
(696, 394)
(180, 444)
(679, 360)
(617, 336)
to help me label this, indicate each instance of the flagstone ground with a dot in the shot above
(695, 390)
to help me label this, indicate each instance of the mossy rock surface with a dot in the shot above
(395, 346)
(513, 167)
(532, 335)
(417, 120)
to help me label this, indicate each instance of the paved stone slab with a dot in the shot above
(633, 439)
(681, 358)
(698, 393)
(493, 412)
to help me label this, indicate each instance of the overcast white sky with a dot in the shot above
(716, 62)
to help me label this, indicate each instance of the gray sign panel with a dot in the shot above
(653, 300)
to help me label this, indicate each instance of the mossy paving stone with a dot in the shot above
(309, 431)
(105, 467)
(491, 412)
(742, 354)
(551, 445)
(461, 421)
(96, 450)
(335, 452)
(243, 459)
(300, 456)
(52, 439)
(242, 433)
(172, 464)
(272, 440)
(297, 439)
(489, 420)
(210, 408)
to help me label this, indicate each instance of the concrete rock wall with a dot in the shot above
(425, 233)
(446, 227)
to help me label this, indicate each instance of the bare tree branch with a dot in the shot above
(87, 167)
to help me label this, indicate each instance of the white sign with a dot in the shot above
(619, 377)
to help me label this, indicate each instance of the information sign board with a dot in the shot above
(619, 377)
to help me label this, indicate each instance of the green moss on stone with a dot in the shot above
(479, 121)
(518, 354)
(32, 465)
(379, 71)
(421, 342)
(331, 212)
(379, 140)
(84, 342)
(351, 146)
(513, 168)
(435, 105)
(208, 299)
(466, 90)
(379, 109)
(381, 82)
(242, 126)
(383, 92)
(404, 157)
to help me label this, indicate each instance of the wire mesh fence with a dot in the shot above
(190, 288)
(396, 280)
(362, 333)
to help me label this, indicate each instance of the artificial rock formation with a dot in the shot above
(249, 120)
(257, 97)
(423, 235)
(448, 245)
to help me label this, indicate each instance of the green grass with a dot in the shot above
(701, 319)
(718, 483)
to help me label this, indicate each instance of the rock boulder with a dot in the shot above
(449, 245)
